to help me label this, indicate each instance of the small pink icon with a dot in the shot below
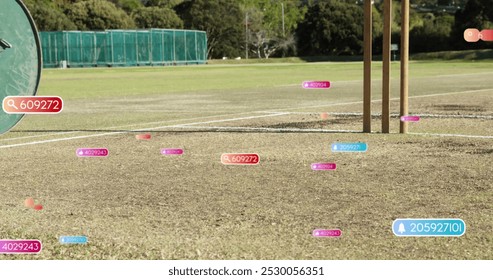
(29, 202)
(326, 233)
(410, 118)
(324, 166)
(472, 35)
(92, 152)
(316, 84)
(171, 151)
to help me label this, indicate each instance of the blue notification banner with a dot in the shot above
(73, 240)
(350, 147)
(429, 227)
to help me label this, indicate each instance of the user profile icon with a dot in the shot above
(472, 35)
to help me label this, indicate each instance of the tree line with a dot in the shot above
(266, 28)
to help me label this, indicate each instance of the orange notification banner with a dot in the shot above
(473, 35)
(32, 104)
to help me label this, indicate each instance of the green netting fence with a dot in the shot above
(123, 48)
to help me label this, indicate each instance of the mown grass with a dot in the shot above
(123, 82)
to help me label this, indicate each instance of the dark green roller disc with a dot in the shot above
(20, 57)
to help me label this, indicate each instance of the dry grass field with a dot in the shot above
(139, 204)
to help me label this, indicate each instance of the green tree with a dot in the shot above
(273, 15)
(377, 31)
(223, 21)
(272, 24)
(331, 28)
(49, 16)
(129, 6)
(162, 3)
(476, 14)
(415, 19)
(98, 15)
(256, 34)
(156, 17)
(433, 35)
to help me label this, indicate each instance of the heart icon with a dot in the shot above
(29, 202)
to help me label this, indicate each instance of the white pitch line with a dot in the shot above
(448, 93)
(395, 115)
(453, 135)
(236, 119)
(35, 136)
(456, 116)
(252, 112)
(130, 125)
(136, 130)
(463, 75)
(376, 100)
(59, 140)
(263, 111)
(267, 129)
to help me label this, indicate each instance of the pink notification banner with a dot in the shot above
(172, 152)
(327, 233)
(473, 35)
(316, 84)
(92, 152)
(410, 119)
(324, 166)
(32, 104)
(20, 246)
(240, 159)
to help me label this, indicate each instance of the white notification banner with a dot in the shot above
(251, 270)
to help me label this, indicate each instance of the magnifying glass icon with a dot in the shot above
(11, 103)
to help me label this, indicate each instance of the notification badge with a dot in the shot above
(73, 239)
(429, 227)
(316, 84)
(327, 233)
(20, 246)
(240, 159)
(324, 166)
(350, 147)
(172, 151)
(410, 119)
(92, 152)
(32, 104)
(473, 35)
